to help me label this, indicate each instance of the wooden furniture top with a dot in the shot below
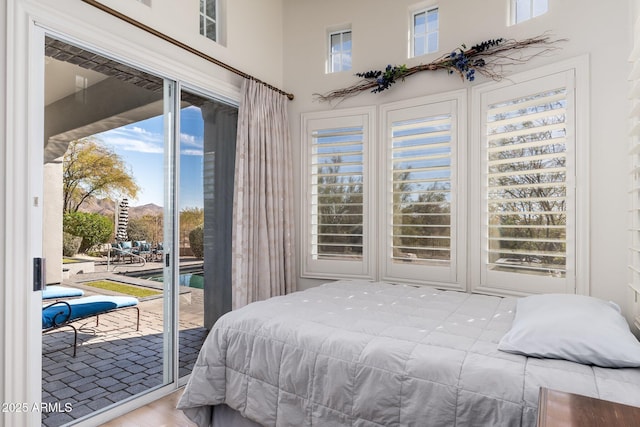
(557, 408)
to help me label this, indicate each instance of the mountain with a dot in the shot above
(148, 209)
(107, 207)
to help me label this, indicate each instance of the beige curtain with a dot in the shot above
(263, 248)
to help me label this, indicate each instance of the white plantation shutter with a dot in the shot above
(528, 180)
(527, 188)
(337, 212)
(634, 155)
(336, 189)
(421, 190)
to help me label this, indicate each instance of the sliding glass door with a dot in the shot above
(207, 153)
(138, 196)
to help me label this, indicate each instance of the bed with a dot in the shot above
(357, 353)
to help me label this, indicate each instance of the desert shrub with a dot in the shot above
(93, 228)
(196, 241)
(70, 244)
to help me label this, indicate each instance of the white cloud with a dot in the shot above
(137, 139)
(134, 139)
(188, 152)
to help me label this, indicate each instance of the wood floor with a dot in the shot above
(161, 413)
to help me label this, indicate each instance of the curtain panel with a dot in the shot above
(263, 263)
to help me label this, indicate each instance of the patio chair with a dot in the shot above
(142, 248)
(61, 314)
(59, 292)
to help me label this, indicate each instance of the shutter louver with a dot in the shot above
(421, 190)
(526, 178)
(337, 194)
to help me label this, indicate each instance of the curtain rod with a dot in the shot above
(178, 43)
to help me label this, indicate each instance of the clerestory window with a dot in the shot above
(209, 19)
(339, 51)
(523, 10)
(424, 31)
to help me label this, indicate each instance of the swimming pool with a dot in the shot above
(192, 277)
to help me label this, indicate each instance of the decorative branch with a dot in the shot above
(487, 59)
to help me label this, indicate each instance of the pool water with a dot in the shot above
(191, 280)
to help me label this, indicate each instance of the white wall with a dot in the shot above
(253, 31)
(380, 37)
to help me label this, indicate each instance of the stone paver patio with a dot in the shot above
(114, 361)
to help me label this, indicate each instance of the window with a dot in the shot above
(523, 10)
(421, 189)
(529, 220)
(339, 51)
(209, 19)
(337, 189)
(424, 32)
(507, 213)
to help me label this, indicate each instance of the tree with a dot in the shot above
(196, 241)
(528, 209)
(190, 218)
(93, 228)
(340, 215)
(147, 228)
(91, 169)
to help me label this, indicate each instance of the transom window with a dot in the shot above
(209, 19)
(523, 10)
(339, 51)
(424, 31)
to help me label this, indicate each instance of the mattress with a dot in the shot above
(357, 353)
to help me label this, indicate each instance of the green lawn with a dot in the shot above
(136, 291)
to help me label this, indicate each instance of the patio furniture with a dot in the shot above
(143, 249)
(61, 314)
(59, 292)
(158, 252)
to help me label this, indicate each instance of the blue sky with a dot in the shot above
(141, 146)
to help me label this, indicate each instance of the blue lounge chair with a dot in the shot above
(61, 313)
(59, 292)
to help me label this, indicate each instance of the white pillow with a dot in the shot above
(572, 327)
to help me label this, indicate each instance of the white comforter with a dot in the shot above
(355, 353)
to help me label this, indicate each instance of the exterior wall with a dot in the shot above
(53, 206)
(380, 37)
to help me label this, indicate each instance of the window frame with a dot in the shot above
(204, 17)
(577, 277)
(514, 11)
(453, 275)
(331, 55)
(325, 268)
(412, 31)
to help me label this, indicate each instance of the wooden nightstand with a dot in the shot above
(557, 408)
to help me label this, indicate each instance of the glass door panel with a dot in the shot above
(207, 153)
(106, 173)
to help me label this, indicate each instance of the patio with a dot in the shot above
(114, 361)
